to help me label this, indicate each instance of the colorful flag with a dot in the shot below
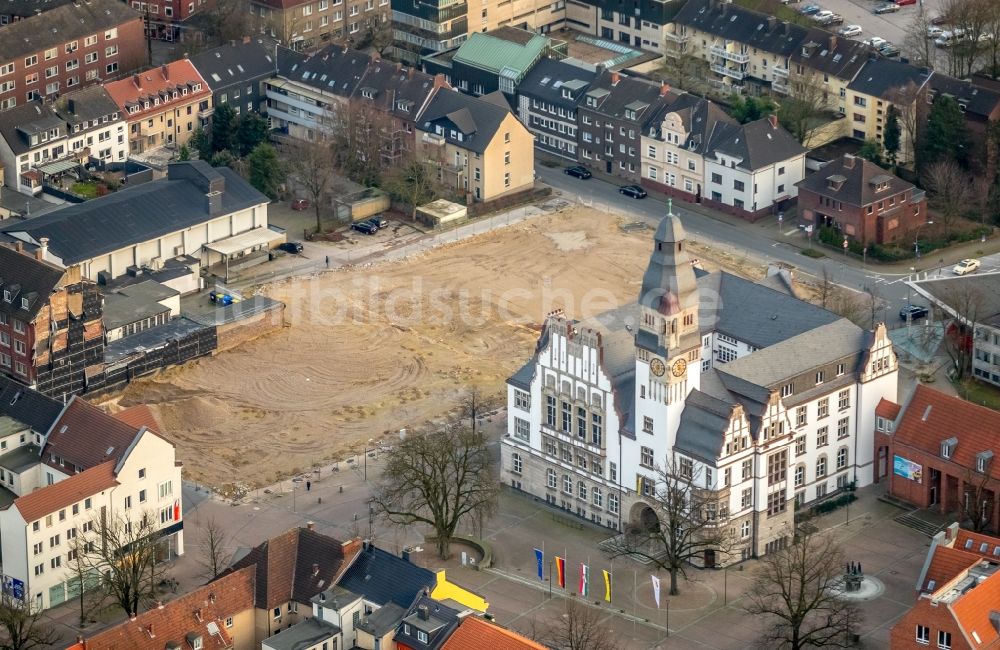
(607, 585)
(561, 571)
(656, 590)
(540, 560)
(584, 580)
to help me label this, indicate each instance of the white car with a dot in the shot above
(876, 42)
(822, 15)
(966, 266)
(850, 30)
(934, 31)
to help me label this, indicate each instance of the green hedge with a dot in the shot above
(832, 504)
(896, 252)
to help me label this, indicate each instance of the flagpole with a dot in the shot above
(550, 578)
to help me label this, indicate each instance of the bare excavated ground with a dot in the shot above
(371, 350)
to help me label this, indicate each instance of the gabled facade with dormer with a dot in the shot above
(758, 398)
(547, 104)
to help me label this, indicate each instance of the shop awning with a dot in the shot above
(244, 242)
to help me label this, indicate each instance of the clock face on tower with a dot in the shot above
(657, 367)
(680, 365)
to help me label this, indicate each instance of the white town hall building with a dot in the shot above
(765, 399)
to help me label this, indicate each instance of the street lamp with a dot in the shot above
(916, 238)
(366, 456)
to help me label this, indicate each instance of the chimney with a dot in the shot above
(211, 598)
(137, 81)
(773, 119)
(423, 613)
(440, 81)
(213, 203)
(131, 616)
(664, 88)
(165, 71)
(848, 161)
(406, 553)
(159, 604)
(311, 525)
(615, 78)
(43, 248)
(995, 620)
(772, 22)
(19, 246)
(833, 42)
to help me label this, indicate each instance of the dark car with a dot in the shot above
(365, 227)
(889, 50)
(633, 191)
(291, 247)
(913, 312)
(886, 8)
(300, 204)
(578, 172)
(379, 221)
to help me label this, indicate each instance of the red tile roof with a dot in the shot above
(213, 603)
(886, 409)
(972, 611)
(476, 634)
(947, 563)
(158, 83)
(990, 551)
(137, 416)
(931, 418)
(86, 436)
(46, 500)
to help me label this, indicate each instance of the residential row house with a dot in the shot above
(68, 47)
(548, 97)
(308, 24)
(759, 400)
(636, 24)
(165, 19)
(957, 595)
(50, 322)
(43, 139)
(937, 451)
(16, 10)
(236, 73)
(65, 480)
(162, 106)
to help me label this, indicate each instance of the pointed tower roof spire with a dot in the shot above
(669, 286)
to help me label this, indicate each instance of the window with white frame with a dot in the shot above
(522, 429)
(550, 478)
(923, 635)
(516, 464)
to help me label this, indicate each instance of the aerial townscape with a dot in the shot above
(420, 325)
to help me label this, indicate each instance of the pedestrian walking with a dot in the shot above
(308, 485)
(327, 261)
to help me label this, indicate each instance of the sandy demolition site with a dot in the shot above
(371, 350)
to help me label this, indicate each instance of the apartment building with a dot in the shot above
(758, 398)
(821, 68)
(165, 18)
(477, 144)
(641, 24)
(236, 73)
(50, 323)
(308, 24)
(547, 104)
(752, 169)
(162, 106)
(90, 465)
(612, 115)
(491, 61)
(879, 84)
(68, 47)
(15, 10)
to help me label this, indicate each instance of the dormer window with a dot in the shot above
(6, 295)
(567, 94)
(629, 114)
(24, 303)
(591, 102)
(883, 424)
(983, 459)
(948, 448)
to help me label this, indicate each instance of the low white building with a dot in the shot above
(95, 128)
(763, 399)
(88, 464)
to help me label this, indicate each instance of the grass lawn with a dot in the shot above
(979, 393)
(86, 189)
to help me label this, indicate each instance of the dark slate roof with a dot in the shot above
(982, 288)
(26, 278)
(754, 313)
(136, 214)
(381, 578)
(735, 23)
(294, 566)
(86, 105)
(857, 175)
(331, 69)
(401, 91)
(703, 425)
(430, 616)
(834, 55)
(524, 375)
(26, 8)
(879, 77)
(234, 63)
(383, 620)
(628, 93)
(305, 634)
(546, 79)
(18, 122)
(65, 23)
(702, 119)
(975, 100)
(28, 407)
(475, 118)
(759, 143)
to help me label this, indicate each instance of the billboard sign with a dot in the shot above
(907, 469)
(14, 587)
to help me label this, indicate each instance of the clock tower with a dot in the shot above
(667, 339)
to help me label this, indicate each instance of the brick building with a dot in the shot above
(937, 451)
(165, 16)
(863, 201)
(958, 596)
(67, 47)
(50, 323)
(163, 106)
(306, 24)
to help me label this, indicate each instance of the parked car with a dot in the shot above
(888, 50)
(291, 247)
(912, 312)
(379, 221)
(886, 8)
(850, 30)
(221, 297)
(875, 42)
(365, 227)
(300, 204)
(579, 172)
(966, 266)
(633, 191)
(939, 20)
(830, 21)
(934, 31)
(903, 3)
(821, 15)
(809, 10)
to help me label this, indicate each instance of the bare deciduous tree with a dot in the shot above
(413, 183)
(950, 191)
(973, 18)
(684, 528)
(916, 43)
(580, 629)
(214, 549)
(123, 551)
(442, 479)
(310, 164)
(225, 21)
(977, 498)
(912, 113)
(22, 625)
(796, 591)
(801, 111)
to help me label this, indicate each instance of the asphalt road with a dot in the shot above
(751, 240)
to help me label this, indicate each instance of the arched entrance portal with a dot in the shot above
(642, 518)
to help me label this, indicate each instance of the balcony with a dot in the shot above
(732, 73)
(779, 71)
(735, 57)
(677, 38)
(779, 86)
(432, 139)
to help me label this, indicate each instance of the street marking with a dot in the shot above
(791, 232)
